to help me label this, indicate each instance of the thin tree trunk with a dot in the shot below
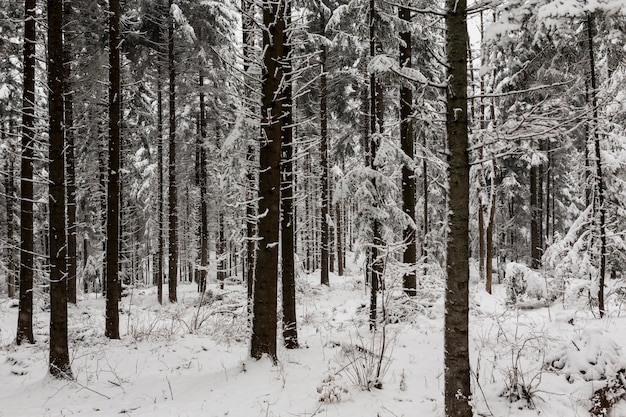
(325, 232)
(266, 276)
(112, 329)
(535, 218)
(71, 176)
(599, 175)
(9, 191)
(27, 238)
(290, 330)
(173, 186)
(59, 365)
(204, 221)
(376, 131)
(340, 245)
(490, 232)
(409, 256)
(160, 245)
(457, 392)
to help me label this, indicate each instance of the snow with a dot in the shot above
(191, 358)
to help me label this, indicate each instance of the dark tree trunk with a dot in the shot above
(340, 243)
(599, 176)
(376, 130)
(160, 248)
(489, 234)
(173, 187)
(325, 236)
(221, 249)
(409, 257)
(290, 330)
(27, 238)
(112, 329)
(266, 276)
(71, 176)
(457, 392)
(204, 223)
(9, 197)
(247, 27)
(535, 217)
(59, 365)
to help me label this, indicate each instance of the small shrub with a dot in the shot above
(330, 390)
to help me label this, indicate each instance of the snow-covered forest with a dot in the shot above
(313, 207)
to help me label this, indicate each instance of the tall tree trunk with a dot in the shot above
(59, 365)
(160, 248)
(376, 130)
(290, 330)
(27, 238)
(251, 212)
(409, 257)
(71, 176)
(490, 226)
(9, 191)
(325, 235)
(599, 176)
(173, 186)
(204, 221)
(457, 392)
(535, 218)
(112, 329)
(266, 276)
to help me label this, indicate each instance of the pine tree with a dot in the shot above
(27, 238)
(408, 175)
(59, 365)
(456, 344)
(264, 310)
(113, 185)
(173, 186)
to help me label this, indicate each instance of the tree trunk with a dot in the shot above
(266, 275)
(71, 176)
(340, 245)
(59, 365)
(173, 187)
(204, 222)
(9, 196)
(325, 235)
(457, 392)
(160, 248)
(27, 238)
(251, 212)
(409, 257)
(599, 176)
(112, 330)
(535, 217)
(490, 225)
(290, 330)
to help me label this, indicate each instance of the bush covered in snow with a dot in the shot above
(526, 286)
(590, 356)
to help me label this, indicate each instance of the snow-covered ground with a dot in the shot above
(191, 359)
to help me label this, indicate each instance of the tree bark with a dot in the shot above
(112, 328)
(71, 175)
(409, 256)
(599, 175)
(160, 248)
(290, 330)
(173, 186)
(457, 390)
(266, 275)
(27, 238)
(325, 235)
(59, 365)
(9, 197)
(204, 222)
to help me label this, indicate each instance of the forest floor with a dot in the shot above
(191, 358)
